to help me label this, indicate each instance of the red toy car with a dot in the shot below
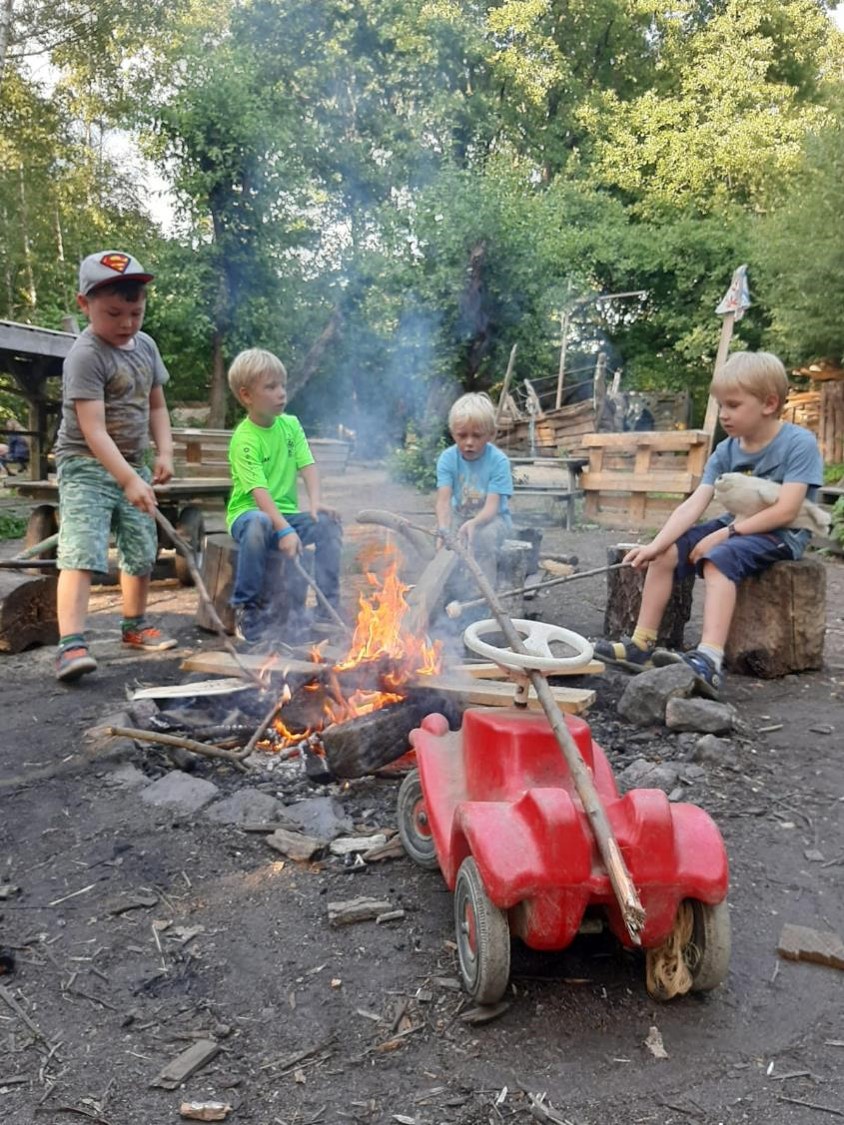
(493, 805)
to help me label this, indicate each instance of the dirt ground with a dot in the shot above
(363, 1023)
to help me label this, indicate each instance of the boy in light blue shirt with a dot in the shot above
(474, 482)
(750, 388)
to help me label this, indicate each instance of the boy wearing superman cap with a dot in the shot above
(112, 403)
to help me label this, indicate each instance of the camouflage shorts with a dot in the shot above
(92, 505)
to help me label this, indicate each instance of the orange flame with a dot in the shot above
(378, 635)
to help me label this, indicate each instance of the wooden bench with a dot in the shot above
(554, 477)
(205, 453)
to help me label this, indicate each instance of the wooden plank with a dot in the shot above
(489, 693)
(660, 439)
(219, 663)
(485, 670)
(634, 482)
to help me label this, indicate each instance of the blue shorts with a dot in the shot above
(737, 558)
(92, 505)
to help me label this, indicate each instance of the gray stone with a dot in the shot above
(717, 751)
(127, 776)
(691, 773)
(699, 714)
(677, 794)
(322, 817)
(642, 774)
(244, 807)
(645, 697)
(180, 791)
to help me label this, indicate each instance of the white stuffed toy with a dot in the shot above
(745, 496)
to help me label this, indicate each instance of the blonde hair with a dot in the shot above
(473, 408)
(248, 366)
(760, 374)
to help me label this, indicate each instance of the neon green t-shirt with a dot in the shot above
(266, 457)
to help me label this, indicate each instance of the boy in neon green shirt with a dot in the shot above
(268, 453)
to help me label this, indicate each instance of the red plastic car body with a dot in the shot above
(499, 790)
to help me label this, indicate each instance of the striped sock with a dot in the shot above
(715, 654)
(71, 640)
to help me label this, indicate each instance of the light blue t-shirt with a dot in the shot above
(472, 481)
(792, 457)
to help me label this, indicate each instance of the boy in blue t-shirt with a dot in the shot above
(750, 388)
(474, 482)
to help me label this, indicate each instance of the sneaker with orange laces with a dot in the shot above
(140, 634)
(73, 660)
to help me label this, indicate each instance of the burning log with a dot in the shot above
(365, 744)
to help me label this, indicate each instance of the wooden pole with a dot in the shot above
(508, 375)
(629, 903)
(564, 335)
(454, 609)
(321, 598)
(711, 419)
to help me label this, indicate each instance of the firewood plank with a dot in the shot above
(490, 693)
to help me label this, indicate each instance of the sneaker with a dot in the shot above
(147, 637)
(708, 680)
(625, 654)
(249, 625)
(73, 661)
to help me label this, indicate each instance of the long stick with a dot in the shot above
(454, 609)
(629, 903)
(258, 732)
(183, 549)
(320, 597)
(175, 740)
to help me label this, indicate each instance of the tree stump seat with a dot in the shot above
(778, 626)
(219, 566)
(780, 621)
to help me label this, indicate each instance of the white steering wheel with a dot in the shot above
(535, 637)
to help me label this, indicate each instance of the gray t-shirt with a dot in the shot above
(123, 380)
(792, 457)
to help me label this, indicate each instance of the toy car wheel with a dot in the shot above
(483, 937)
(414, 830)
(695, 957)
(708, 953)
(191, 526)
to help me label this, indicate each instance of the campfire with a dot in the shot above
(380, 668)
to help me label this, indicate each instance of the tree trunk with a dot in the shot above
(5, 31)
(312, 360)
(624, 596)
(27, 611)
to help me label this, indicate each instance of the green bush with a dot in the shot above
(11, 526)
(416, 462)
(832, 474)
(836, 531)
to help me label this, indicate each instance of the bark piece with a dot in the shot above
(205, 1111)
(802, 943)
(186, 1064)
(293, 844)
(357, 910)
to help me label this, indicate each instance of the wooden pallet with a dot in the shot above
(638, 479)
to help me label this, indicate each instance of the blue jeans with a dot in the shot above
(257, 547)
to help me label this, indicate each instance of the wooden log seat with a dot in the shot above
(780, 621)
(219, 565)
(27, 610)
